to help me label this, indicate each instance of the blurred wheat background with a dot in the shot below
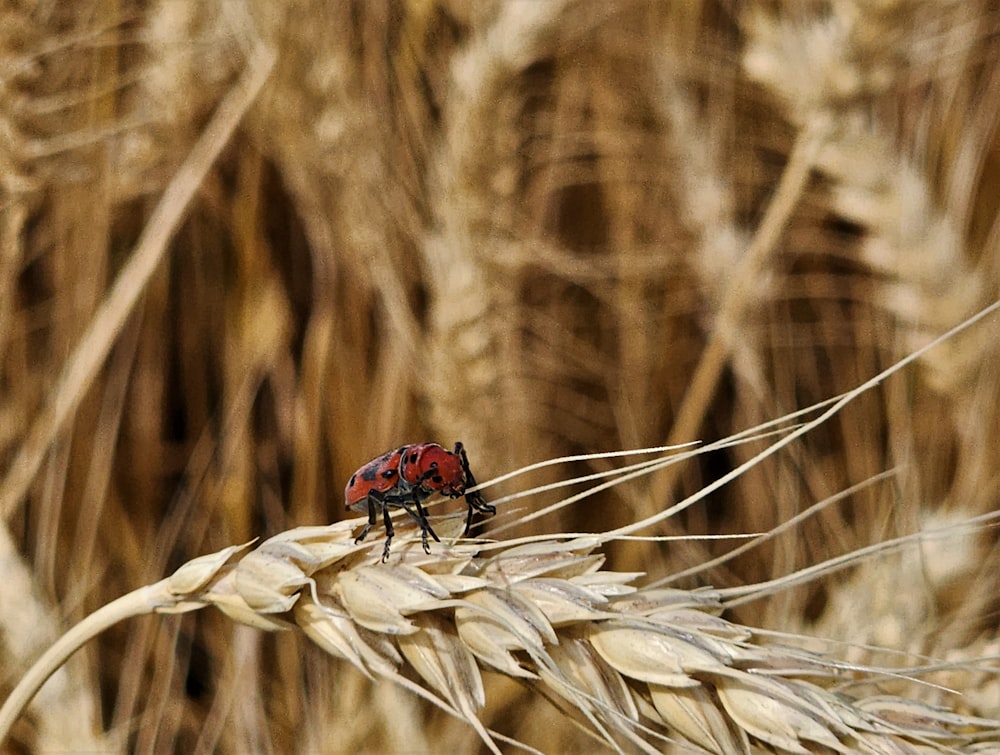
(246, 247)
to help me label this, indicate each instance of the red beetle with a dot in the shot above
(404, 479)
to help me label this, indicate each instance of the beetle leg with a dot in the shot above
(371, 518)
(412, 506)
(475, 500)
(425, 526)
(389, 531)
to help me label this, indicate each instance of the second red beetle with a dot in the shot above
(404, 479)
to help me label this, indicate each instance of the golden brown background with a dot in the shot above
(245, 247)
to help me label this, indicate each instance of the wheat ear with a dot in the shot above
(639, 668)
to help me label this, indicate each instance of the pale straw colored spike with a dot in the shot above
(587, 670)
(774, 718)
(629, 663)
(562, 601)
(450, 668)
(491, 627)
(588, 636)
(695, 714)
(341, 637)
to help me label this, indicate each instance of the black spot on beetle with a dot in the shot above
(413, 457)
(389, 474)
(354, 479)
(369, 473)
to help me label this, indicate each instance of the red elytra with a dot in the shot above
(404, 479)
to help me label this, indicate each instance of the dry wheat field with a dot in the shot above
(247, 246)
